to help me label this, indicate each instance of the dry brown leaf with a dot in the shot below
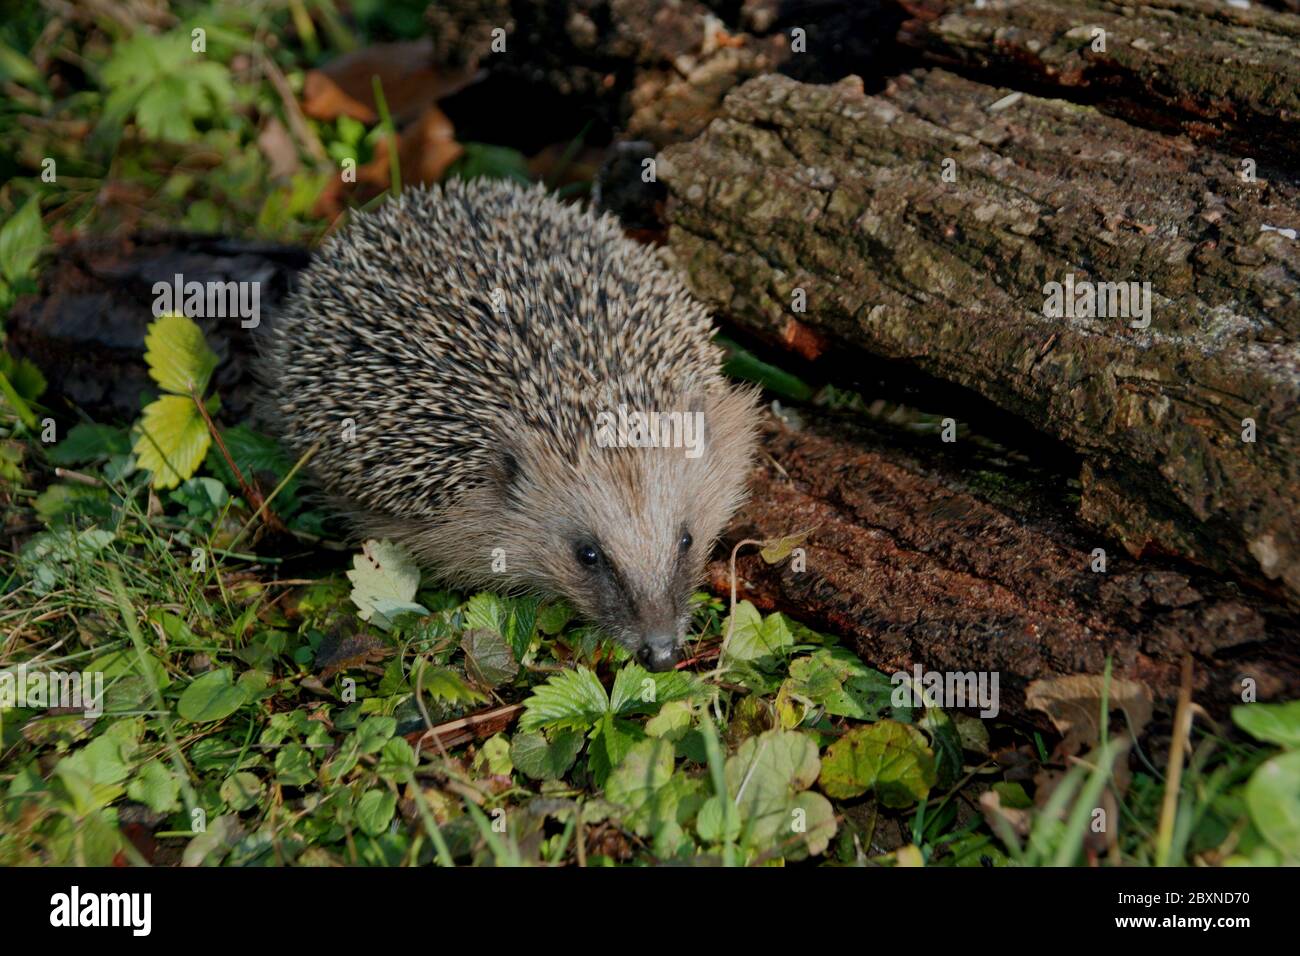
(279, 149)
(424, 150)
(410, 83)
(1074, 705)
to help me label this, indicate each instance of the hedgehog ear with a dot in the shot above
(505, 470)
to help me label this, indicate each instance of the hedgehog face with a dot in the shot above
(623, 532)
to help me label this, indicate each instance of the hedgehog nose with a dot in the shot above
(658, 655)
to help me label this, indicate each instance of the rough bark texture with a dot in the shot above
(1204, 66)
(957, 564)
(842, 195)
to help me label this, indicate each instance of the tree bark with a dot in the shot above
(821, 218)
(914, 561)
(659, 71)
(1213, 70)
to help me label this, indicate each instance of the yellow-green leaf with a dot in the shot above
(178, 356)
(173, 440)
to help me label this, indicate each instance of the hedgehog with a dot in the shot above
(522, 397)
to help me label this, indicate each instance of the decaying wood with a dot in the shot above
(914, 563)
(86, 327)
(476, 726)
(833, 202)
(659, 70)
(1210, 68)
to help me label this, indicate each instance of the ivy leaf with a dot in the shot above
(888, 757)
(178, 356)
(211, 696)
(384, 580)
(573, 699)
(173, 440)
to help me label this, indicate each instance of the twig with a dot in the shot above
(252, 493)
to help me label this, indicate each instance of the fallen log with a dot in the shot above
(1214, 70)
(914, 562)
(927, 225)
(659, 71)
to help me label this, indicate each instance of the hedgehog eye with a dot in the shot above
(588, 555)
(686, 541)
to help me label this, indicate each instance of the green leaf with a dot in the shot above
(573, 699)
(241, 791)
(888, 757)
(488, 657)
(636, 690)
(293, 766)
(383, 574)
(610, 742)
(1272, 723)
(21, 240)
(488, 611)
(178, 356)
(374, 732)
(173, 440)
(397, 761)
(777, 551)
(375, 810)
(86, 442)
(24, 376)
(495, 754)
(644, 769)
(156, 787)
(443, 683)
(211, 696)
(540, 759)
(766, 779)
(836, 680)
(755, 639)
(1273, 796)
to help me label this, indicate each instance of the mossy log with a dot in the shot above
(925, 224)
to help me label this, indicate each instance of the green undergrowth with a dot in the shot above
(272, 697)
(276, 708)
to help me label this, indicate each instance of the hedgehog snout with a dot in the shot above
(659, 652)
